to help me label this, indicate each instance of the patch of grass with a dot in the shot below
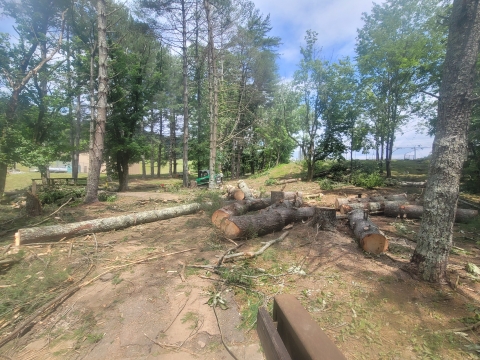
(270, 255)
(116, 279)
(94, 338)
(210, 201)
(191, 317)
(249, 312)
(270, 182)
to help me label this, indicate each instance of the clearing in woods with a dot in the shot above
(367, 305)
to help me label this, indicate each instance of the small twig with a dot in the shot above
(6, 249)
(49, 216)
(96, 243)
(466, 328)
(220, 261)
(221, 335)
(70, 249)
(233, 257)
(9, 261)
(182, 272)
(175, 318)
(230, 240)
(169, 346)
(7, 286)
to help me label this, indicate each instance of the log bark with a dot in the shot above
(325, 218)
(371, 206)
(239, 208)
(264, 223)
(416, 212)
(57, 232)
(347, 201)
(279, 196)
(243, 186)
(288, 181)
(367, 233)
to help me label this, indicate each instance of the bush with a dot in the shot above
(59, 195)
(326, 184)
(270, 182)
(368, 181)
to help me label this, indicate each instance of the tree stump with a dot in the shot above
(33, 205)
(325, 218)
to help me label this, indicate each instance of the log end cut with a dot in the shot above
(374, 243)
(230, 230)
(218, 217)
(238, 194)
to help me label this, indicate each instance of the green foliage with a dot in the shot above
(326, 184)
(367, 180)
(59, 195)
(270, 182)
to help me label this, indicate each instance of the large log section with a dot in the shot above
(57, 232)
(376, 207)
(347, 201)
(366, 232)
(416, 212)
(239, 208)
(263, 223)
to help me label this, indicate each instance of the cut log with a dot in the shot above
(33, 206)
(287, 181)
(238, 194)
(239, 208)
(413, 183)
(416, 212)
(366, 232)
(279, 196)
(248, 193)
(57, 232)
(266, 222)
(346, 201)
(325, 218)
(376, 207)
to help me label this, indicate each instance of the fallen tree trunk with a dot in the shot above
(239, 208)
(264, 223)
(279, 196)
(243, 186)
(347, 201)
(287, 181)
(413, 183)
(366, 232)
(370, 206)
(57, 232)
(416, 212)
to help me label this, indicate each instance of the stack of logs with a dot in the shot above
(393, 206)
(285, 208)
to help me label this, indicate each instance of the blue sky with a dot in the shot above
(336, 22)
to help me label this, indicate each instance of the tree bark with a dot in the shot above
(417, 212)
(185, 93)
(246, 190)
(366, 232)
(279, 196)
(239, 208)
(434, 239)
(325, 218)
(246, 226)
(33, 206)
(96, 156)
(57, 232)
(371, 206)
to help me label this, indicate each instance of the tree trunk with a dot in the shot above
(122, 170)
(160, 146)
(393, 209)
(366, 232)
(239, 208)
(3, 176)
(33, 207)
(185, 94)
(434, 239)
(98, 148)
(57, 232)
(247, 226)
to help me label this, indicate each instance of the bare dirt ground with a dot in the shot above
(368, 305)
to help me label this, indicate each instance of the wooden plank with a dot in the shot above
(272, 344)
(300, 334)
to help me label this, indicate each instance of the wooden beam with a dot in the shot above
(301, 335)
(272, 344)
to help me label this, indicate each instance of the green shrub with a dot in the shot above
(270, 182)
(368, 181)
(326, 184)
(59, 195)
